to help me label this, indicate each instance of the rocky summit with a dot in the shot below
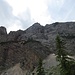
(21, 50)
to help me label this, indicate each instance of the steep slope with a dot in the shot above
(16, 70)
(27, 53)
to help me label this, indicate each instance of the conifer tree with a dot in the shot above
(40, 69)
(67, 64)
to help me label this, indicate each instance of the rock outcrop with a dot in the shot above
(3, 31)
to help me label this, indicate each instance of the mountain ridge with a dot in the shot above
(27, 46)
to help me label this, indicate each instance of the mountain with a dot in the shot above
(23, 49)
(47, 34)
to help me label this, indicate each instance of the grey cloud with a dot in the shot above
(7, 18)
(26, 19)
(6, 15)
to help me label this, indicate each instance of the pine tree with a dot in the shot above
(67, 64)
(40, 69)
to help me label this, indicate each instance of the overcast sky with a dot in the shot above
(20, 14)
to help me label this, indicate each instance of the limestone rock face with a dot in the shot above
(26, 47)
(47, 34)
(27, 53)
(66, 32)
(15, 70)
(3, 30)
(36, 31)
(14, 35)
(3, 34)
(35, 28)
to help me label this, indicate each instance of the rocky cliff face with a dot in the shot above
(3, 34)
(26, 47)
(47, 34)
(14, 50)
